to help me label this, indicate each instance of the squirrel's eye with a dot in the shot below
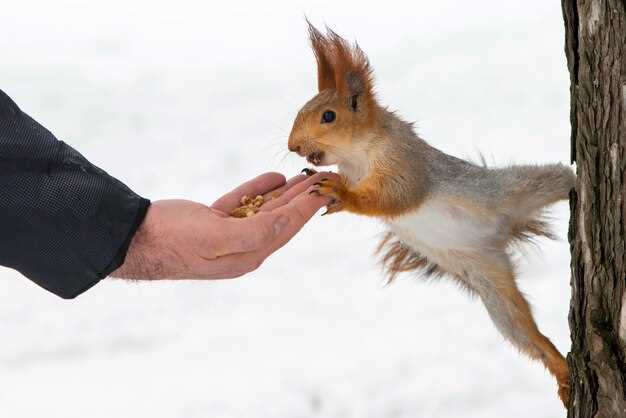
(328, 116)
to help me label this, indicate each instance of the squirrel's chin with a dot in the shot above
(321, 159)
(325, 162)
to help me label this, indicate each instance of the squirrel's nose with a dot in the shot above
(294, 148)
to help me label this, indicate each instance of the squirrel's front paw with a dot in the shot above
(333, 189)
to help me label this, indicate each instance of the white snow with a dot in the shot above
(178, 99)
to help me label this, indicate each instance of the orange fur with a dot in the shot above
(371, 197)
(325, 71)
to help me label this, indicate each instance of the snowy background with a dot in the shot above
(186, 99)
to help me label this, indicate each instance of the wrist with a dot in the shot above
(140, 262)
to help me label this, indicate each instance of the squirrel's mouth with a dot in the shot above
(315, 158)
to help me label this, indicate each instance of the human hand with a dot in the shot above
(181, 239)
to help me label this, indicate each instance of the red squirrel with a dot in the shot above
(445, 216)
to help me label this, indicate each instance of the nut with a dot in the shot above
(249, 207)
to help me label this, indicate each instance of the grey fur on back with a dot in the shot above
(530, 186)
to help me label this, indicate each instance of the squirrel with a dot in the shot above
(445, 216)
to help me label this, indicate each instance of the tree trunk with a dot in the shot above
(595, 45)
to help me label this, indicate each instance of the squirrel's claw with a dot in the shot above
(333, 207)
(308, 171)
(564, 392)
(332, 189)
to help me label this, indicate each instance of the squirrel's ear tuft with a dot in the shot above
(353, 74)
(343, 67)
(323, 54)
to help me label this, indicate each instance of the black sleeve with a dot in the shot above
(64, 223)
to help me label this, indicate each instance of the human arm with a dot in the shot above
(66, 224)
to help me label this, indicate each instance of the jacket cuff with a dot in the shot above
(120, 256)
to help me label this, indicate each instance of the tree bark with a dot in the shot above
(595, 45)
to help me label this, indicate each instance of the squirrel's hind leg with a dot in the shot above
(510, 312)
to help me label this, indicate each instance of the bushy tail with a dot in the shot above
(533, 188)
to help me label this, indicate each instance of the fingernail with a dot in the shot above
(280, 224)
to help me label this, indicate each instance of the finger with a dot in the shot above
(298, 189)
(276, 193)
(259, 185)
(299, 211)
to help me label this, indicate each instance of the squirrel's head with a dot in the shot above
(339, 120)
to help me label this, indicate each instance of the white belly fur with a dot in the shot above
(442, 231)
